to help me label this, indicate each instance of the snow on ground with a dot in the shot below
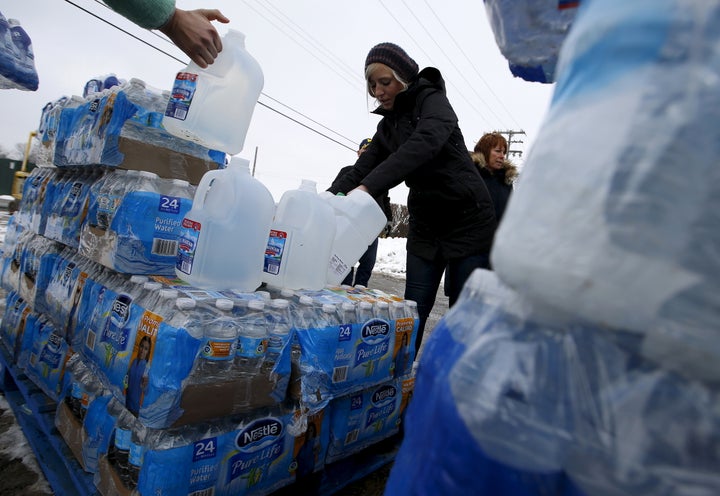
(391, 257)
(14, 445)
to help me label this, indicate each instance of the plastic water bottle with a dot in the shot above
(187, 316)
(165, 302)
(412, 309)
(136, 454)
(348, 313)
(307, 314)
(252, 339)
(213, 106)
(221, 337)
(298, 249)
(398, 310)
(222, 241)
(365, 311)
(279, 330)
(122, 442)
(620, 243)
(151, 290)
(382, 309)
(329, 316)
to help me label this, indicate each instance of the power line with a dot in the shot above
(419, 45)
(461, 73)
(470, 62)
(307, 36)
(352, 83)
(124, 31)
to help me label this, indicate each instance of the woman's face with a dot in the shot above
(144, 350)
(383, 86)
(497, 157)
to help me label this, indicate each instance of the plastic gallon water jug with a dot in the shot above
(300, 240)
(359, 220)
(223, 237)
(213, 106)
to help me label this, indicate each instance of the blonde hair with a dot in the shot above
(371, 68)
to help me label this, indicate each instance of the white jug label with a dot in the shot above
(182, 95)
(187, 245)
(338, 266)
(274, 251)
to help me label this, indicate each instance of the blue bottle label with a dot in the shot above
(187, 245)
(182, 95)
(274, 251)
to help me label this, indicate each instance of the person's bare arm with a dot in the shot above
(194, 34)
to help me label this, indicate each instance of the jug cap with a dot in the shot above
(308, 185)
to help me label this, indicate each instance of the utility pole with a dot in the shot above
(511, 141)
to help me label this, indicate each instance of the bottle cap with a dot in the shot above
(224, 304)
(185, 303)
(256, 304)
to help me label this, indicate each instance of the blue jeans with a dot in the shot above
(365, 268)
(423, 280)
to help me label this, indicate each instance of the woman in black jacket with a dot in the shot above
(497, 171)
(418, 141)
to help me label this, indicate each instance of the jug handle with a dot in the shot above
(203, 187)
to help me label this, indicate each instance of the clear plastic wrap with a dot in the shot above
(515, 398)
(530, 33)
(615, 218)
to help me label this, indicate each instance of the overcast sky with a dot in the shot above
(312, 54)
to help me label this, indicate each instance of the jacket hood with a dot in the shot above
(429, 77)
(509, 170)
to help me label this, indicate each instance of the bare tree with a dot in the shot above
(400, 223)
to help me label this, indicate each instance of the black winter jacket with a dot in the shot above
(498, 182)
(419, 142)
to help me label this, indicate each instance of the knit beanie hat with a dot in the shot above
(395, 58)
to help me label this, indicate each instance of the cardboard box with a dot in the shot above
(164, 162)
(108, 483)
(110, 130)
(71, 430)
(200, 402)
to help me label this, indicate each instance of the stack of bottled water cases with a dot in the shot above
(110, 118)
(175, 369)
(17, 60)
(231, 392)
(127, 220)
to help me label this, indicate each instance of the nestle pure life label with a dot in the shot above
(366, 417)
(256, 458)
(340, 359)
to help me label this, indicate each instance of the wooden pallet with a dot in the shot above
(35, 413)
